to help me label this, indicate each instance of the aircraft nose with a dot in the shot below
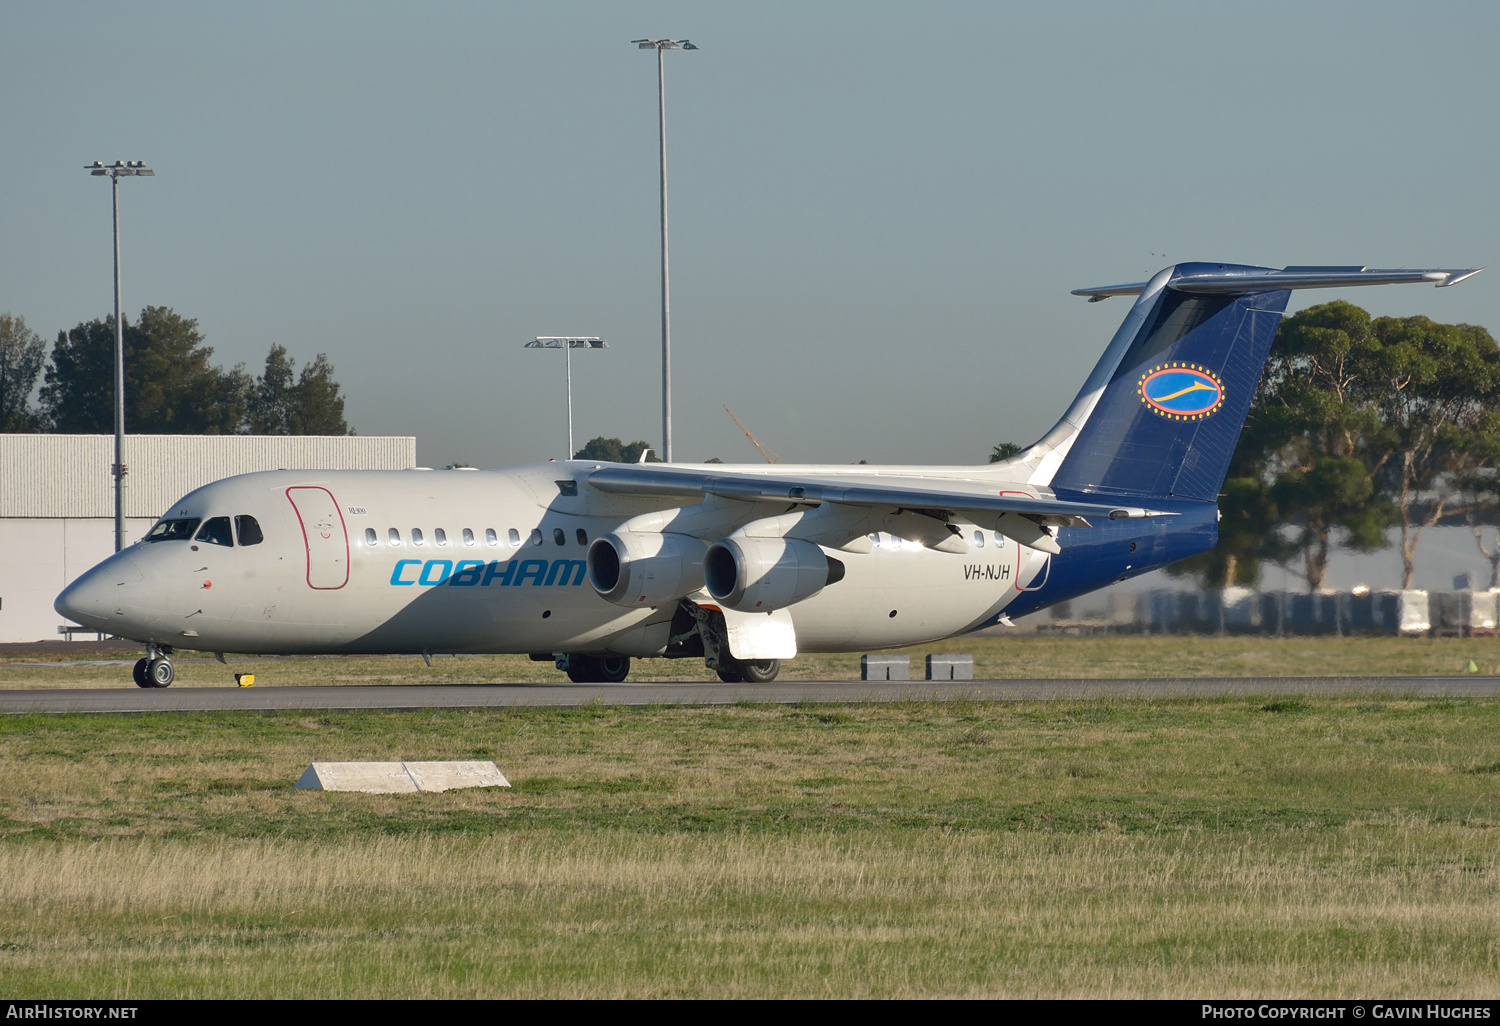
(93, 598)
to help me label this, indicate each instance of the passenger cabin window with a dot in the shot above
(394, 536)
(440, 536)
(215, 531)
(173, 530)
(247, 530)
(469, 537)
(583, 537)
(515, 538)
(536, 536)
(490, 538)
(979, 539)
(559, 537)
(370, 536)
(416, 536)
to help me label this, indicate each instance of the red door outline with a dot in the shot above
(307, 542)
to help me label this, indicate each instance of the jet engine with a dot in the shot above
(758, 575)
(640, 568)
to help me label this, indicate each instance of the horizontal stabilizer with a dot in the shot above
(1204, 280)
(899, 494)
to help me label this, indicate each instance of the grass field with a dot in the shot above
(1017, 656)
(1184, 848)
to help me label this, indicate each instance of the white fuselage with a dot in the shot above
(493, 561)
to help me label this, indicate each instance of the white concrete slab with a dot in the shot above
(399, 777)
(447, 776)
(369, 777)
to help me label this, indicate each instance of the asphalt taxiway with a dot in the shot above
(485, 696)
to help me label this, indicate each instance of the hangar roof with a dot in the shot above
(69, 475)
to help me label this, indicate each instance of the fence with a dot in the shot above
(1243, 611)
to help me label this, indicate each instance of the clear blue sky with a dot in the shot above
(878, 209)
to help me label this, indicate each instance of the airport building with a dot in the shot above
(57, 502)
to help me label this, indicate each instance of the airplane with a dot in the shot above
(590, 564)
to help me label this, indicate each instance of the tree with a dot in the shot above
(1358, 424)
(281, 402)
(1003, 451)
(170, 385)
(1437, 387)
(22, 353)
(1314, 436)
(612, 450)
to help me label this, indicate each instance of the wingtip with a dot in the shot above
(1454, 277)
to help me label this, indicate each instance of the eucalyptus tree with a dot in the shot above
(22, 353)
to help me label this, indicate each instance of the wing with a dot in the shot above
(810, 490)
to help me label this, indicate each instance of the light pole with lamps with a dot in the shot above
(661, 46)
(119, 169)
(568, 343)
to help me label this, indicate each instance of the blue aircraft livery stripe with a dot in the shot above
(467, 573)
(1181, 391)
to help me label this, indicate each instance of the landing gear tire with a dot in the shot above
(760, 671)
(613, 669)
(139, 673)
(757, 671)
(609, 669)
(160, 673)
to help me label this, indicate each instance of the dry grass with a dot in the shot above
(995, 657)
(1240, 847)
(616, 914)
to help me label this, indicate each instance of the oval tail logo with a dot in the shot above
(1181, 391)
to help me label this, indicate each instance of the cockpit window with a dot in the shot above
(215, 531)
(173, 530)
(248, 529)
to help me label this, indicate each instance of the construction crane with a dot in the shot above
(766, 452)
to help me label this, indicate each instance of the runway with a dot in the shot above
(490, 696)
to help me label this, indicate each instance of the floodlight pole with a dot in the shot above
(119, 464)
(666, 278)
(661, 46)
(119, 169)
(568, 343)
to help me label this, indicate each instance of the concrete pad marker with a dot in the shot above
(449, 776)
(399, 777)
(884, 667)
(950, 667)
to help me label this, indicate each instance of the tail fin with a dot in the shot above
(1162, 411)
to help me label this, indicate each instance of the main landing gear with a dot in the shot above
(748, 671)
(155, 671)
(587, 669)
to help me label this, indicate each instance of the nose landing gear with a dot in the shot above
(154, 671)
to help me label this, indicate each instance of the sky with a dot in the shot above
(877, 209)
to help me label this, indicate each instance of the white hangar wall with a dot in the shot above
(57, 503)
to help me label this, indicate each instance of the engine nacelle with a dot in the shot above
(641, 568)
(758, 575)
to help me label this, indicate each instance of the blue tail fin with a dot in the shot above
(1171, 413)
(1161, 413)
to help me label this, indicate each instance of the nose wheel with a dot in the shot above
(155, 671)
